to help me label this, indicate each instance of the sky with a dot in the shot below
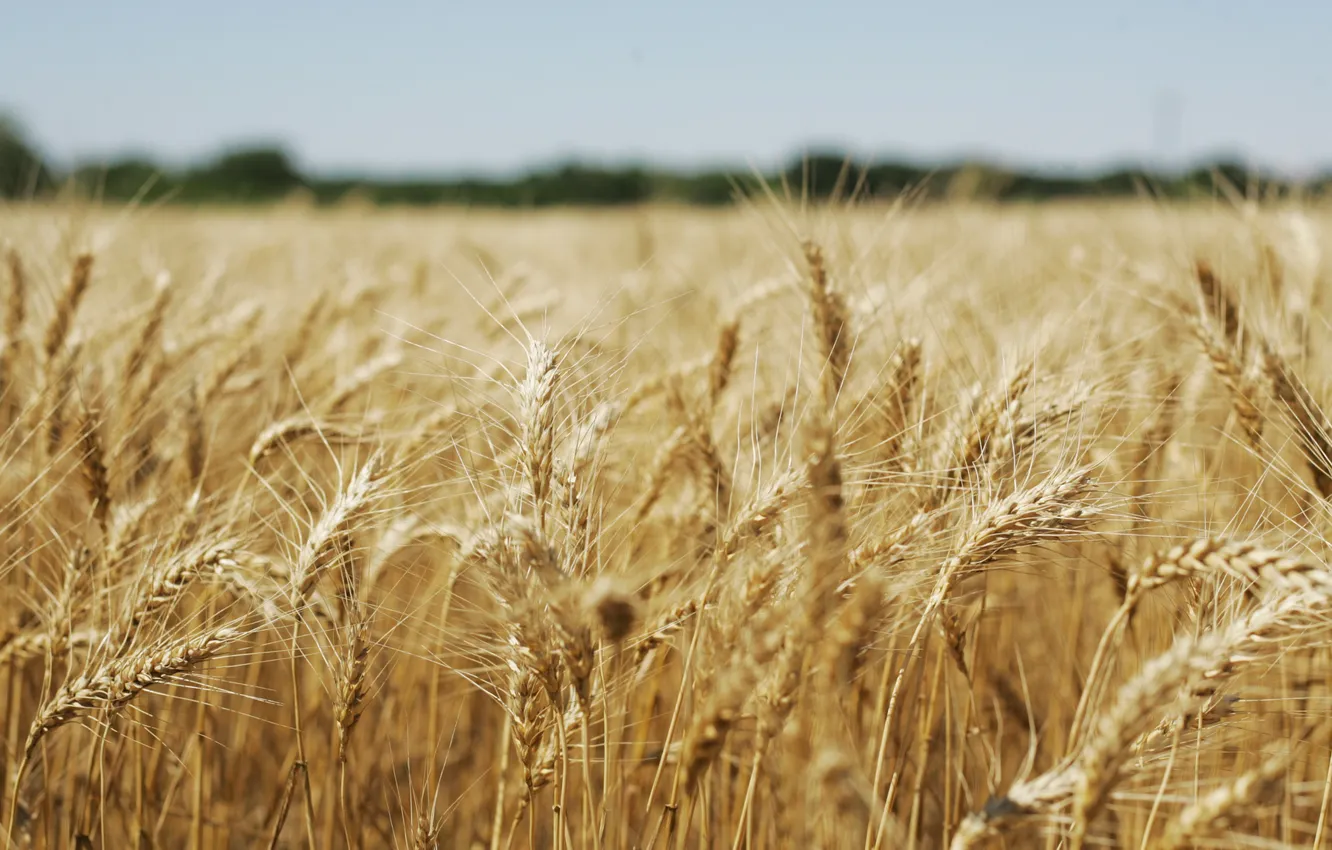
(399, 87)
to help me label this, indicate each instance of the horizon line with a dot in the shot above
(704, 164)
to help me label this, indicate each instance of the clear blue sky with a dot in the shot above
(397, 86)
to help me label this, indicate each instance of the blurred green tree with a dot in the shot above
(23, 170)
(132, 178)
(245, 174)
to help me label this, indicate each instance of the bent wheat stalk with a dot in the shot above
(116, 683)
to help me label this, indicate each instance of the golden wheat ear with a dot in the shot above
(117, 682)
(832, 324)
(57, 330)
(16, 312)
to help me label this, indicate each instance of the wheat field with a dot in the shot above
(915, 527)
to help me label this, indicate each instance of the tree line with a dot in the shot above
(267, 174)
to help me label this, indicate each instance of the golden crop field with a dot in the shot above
(937, 527)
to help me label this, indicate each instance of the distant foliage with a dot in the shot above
(268, 173)
(22, 170)
(256, 174)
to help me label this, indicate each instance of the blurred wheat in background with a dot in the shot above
(936, 527)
